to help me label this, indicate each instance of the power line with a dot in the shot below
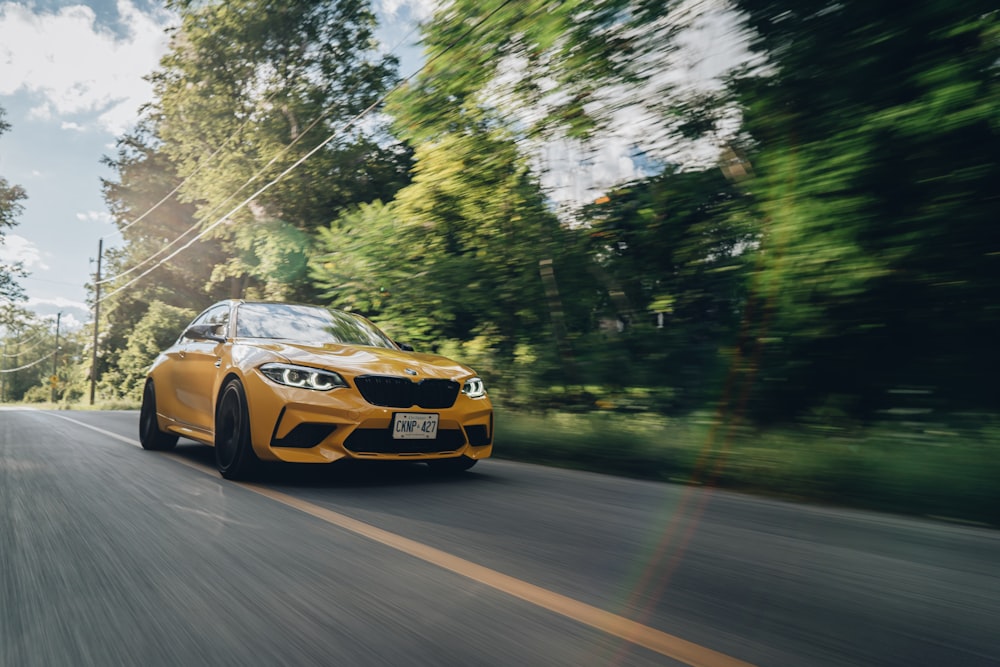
(298, 162)
(252, 178)
(180, 185)
(8, 355)
(235, 209)
(24, 342)
(26, 366)
(217, 207)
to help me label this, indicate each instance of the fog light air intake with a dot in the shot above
(305, 436)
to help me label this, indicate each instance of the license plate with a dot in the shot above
(414, 426)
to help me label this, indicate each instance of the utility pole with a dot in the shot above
(97, 321)
(55, 359)
(13, 368)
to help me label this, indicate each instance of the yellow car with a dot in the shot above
(304, 384)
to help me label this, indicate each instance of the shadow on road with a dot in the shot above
(340, 474)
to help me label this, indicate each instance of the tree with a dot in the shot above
(11, 197)
(572, 61)
(502, 77)
(154, 223)
(27, 345)
(355, 268)
(875, 141)
(157, 330)
(673, 253)
(456, 255)
(248, 89)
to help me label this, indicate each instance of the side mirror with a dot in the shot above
(406, 347)
(203, 332)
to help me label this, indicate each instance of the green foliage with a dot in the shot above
(910, 467)
(561, 58)
(11, 197)
(249, 88)
(673, 252)
(875, 147)
(357, 264)
(457, 254)
(25, 350)
(29, 359)
(155, 331)
(147, 209)
(269, 257)
(36, 394)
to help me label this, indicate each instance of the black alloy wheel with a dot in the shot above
(150, 435)
(234, 455)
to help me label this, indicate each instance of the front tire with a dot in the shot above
(150, 435)
(234, 455)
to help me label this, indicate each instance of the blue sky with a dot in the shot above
(71, 81)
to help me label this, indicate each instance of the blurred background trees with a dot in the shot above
(11, 197)
(875, 140)
(813, 224)
(16, 323)
(36, 365)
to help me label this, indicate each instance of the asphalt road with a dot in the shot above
(110, 555)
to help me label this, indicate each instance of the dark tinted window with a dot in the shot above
(306, 324)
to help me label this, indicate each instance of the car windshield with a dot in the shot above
(306, 324)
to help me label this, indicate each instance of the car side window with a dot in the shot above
(219, 319)
(217, 316)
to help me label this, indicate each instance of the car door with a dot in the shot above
(196, 369)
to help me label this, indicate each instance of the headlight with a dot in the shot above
(302, 376)
(474, 388)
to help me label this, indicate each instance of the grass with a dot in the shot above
(901, 467)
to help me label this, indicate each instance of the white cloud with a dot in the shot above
(94, 216)
(71, 323)
(74, 313)
(58, 302)
(77, 66)
(420, 10)
(16, 248)
(76, 127)
(40, 112)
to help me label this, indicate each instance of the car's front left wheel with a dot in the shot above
(150, 435)
(234, 455)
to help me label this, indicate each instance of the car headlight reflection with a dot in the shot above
(302, 377)
(474, 388)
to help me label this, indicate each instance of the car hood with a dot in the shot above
(362, 360)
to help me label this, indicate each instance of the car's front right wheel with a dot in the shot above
(234, 455)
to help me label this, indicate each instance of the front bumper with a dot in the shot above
(304, 426)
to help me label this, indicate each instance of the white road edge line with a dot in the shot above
(122, 438)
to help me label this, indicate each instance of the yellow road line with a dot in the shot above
(595, 617)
